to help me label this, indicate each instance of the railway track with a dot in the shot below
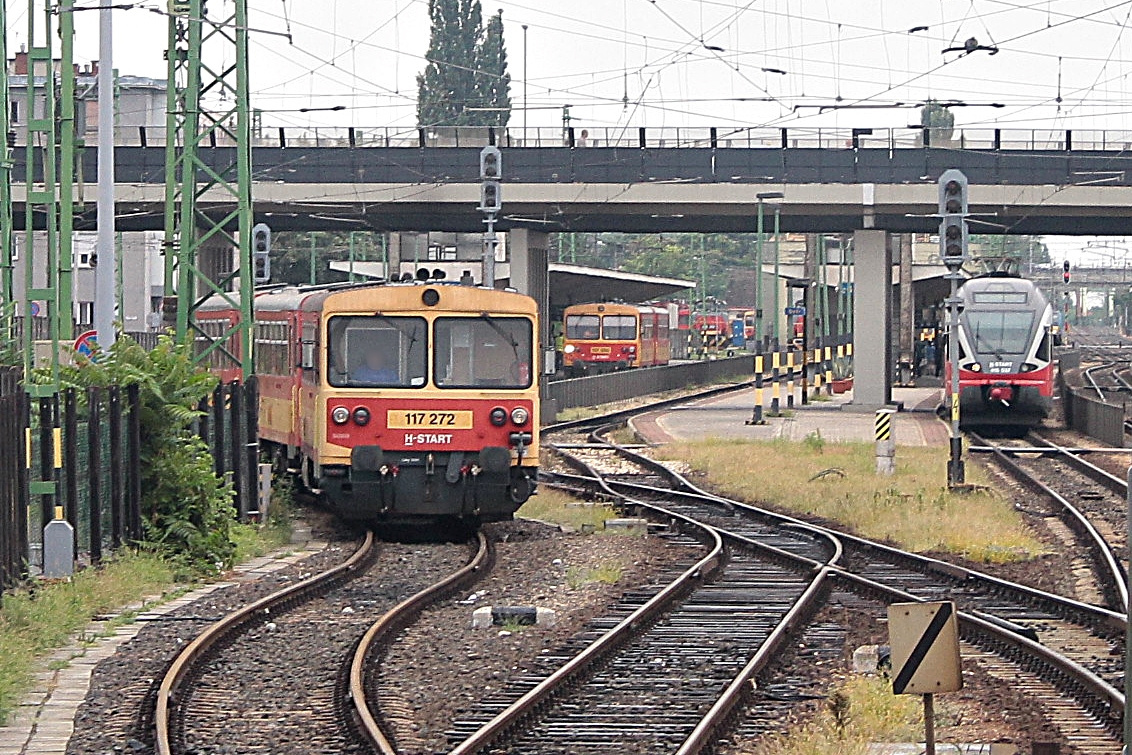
(1089, 500)
(278, 672)
(1000, 617)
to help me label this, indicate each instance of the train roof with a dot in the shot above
(372, 295)
(970, 290)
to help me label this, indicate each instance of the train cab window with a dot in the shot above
(480, 352)
(619, 327)
(378, 351)
(582, 327)
(997, 333)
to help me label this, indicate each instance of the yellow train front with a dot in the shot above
(419, 402)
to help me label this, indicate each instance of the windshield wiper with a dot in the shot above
(506, 336)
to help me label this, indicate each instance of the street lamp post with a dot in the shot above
(776, 313)
(761, 197)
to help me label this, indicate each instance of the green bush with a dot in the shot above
(186, 510)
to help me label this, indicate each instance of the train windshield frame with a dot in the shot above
(999, 332)
(483, 352)
(377, 351)
(619, 327)
(583, 327)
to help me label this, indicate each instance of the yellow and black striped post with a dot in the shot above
(757, 416)
(829, 370)
(817, 372)
(790, 380)
(776, 384)
(885, 445)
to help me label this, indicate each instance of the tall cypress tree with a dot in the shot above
(493, 83)
(467, 67)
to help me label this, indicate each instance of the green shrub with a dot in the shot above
(186, 510)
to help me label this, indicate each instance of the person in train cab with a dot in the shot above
(375, 370)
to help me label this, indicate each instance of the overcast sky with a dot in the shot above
(680, 63)
(649, 62)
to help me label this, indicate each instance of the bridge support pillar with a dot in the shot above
(872, 315)
(530, 275)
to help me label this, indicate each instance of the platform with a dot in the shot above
(726, 417)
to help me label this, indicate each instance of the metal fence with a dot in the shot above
(618, 386)
(1094, 418)
(89, 444)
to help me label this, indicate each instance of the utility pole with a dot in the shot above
(193, 127)
(491, 202)
(7, 265)
(953, 252)
(105, 300)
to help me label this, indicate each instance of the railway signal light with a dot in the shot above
(491, 164)
(491, 196)
(1065, 268)
(953, 240)
(261, 252)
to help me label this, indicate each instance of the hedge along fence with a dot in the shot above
(96, 466)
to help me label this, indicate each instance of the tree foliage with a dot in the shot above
(939, 119)
(186, 509)
(467, 68)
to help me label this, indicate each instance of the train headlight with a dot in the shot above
(361, 416)
(498, 416)
(340, 415)
(519, 416)
(1027, 367)
(569, 348)
(976, 367)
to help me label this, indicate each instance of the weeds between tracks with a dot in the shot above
(837, 482)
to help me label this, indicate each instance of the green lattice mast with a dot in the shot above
(207, 202)
(50, 153)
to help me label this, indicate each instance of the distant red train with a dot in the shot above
(602, 337)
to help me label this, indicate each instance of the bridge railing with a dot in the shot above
(726, 137)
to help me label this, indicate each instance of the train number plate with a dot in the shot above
(600, 350)
(407, 419)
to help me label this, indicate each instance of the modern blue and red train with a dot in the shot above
(1005, 354)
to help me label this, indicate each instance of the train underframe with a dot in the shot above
(401, 487)
(1003, 405)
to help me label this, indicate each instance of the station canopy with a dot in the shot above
(576, 284)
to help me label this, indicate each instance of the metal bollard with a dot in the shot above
(776, 385)
(790, 380)
(885, 445)
(757, 416)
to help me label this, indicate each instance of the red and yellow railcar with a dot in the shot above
(612, 336)
(399, 402)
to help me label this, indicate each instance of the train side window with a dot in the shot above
(310, 331)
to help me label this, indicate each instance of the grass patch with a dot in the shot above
(556, 507)
(605, 573)
(838, 482)
(36, 621)
(860, 710)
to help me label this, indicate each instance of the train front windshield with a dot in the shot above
(619, 327)
(582, 327)
(999, 333)
(378, 351)
(483, 352)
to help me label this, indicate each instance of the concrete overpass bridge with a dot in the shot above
(653, 181)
